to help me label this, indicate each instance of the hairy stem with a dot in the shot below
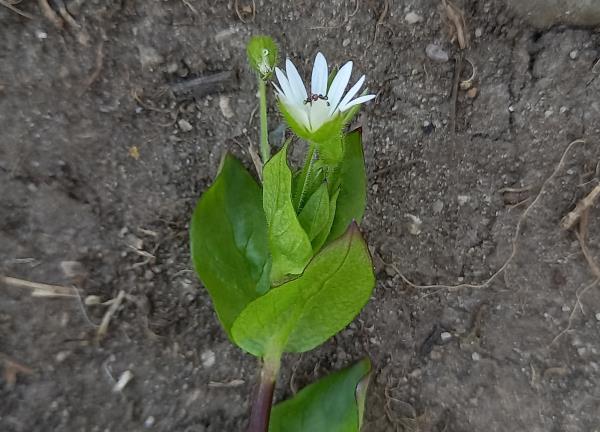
(305, 175)
(265, 149)
(261, 408)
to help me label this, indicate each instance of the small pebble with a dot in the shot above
(581, 351)
(225, 107)
(475, 356)
(414, 225)
(149, 422)
(472, 92)
(123, 381)
(573, 54)
(563, 109)
(566, 308)
(346, 42)
(413, 18)
(478, 32)
(436, 53)
(208, 358)
(437, 207)
(445, 336)
(548, 113)
(463, 199)
(185, 125)
(41, 35)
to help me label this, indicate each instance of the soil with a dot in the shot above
(99, 174)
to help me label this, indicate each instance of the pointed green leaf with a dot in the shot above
(228, 241)
(332, 404)
(289, 245)
(315, 214)
(303, 313)
(352, 181)
(319, 241)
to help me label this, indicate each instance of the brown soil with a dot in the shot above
(517, 354)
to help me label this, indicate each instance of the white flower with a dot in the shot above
(323, 104)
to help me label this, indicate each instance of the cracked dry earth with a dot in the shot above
(101, 165)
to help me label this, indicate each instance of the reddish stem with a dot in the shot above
(261, 408)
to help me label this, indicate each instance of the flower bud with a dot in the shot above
(262, 56)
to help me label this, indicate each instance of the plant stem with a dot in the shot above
(261, 408)
(306, 173)
(265, 149)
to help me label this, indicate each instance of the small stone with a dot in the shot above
(92, 300)
(208, 358)
(184, 125)
(475, 356)
(414, 225)
(563, 109)
(413, 18)
(435, 355)
(478, 32)
(61, 356)
(225, 107)
(573, 54)
(548, 113)
(463, 199)
(148, 275)
(123, 380)
(72, 269)
(41, 35)
(472, 92)
(346, 42)
(149, 422)
(436, 53)
(149, 57)
(566, 308)
(445, 336)
(437, 207)
(581, 351)
(598, 316)
(172, 67)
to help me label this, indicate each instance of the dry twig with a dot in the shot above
(50, 15)
(103, 328)
(12, 7)
(40, 289)
(573, 216)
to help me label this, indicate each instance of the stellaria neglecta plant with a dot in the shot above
(283, 260)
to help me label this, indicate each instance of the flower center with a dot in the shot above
(317, 107)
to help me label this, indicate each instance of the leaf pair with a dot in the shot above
(244, 239)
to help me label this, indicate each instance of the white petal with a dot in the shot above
(299, 113)
(318, 81)
(284, 83)
(296, 83)
(339, 85)
(358, 100)
(277, 88)
(318, 114)
(355, 88)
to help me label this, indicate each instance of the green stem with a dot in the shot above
(261, 408)
(265, 149)
(305, 174)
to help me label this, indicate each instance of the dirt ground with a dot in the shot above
(101, 164)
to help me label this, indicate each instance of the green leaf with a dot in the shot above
(315, 214)
(332, 404)
(352, 180)
(228, 241)
(319, 241)
(303, 313)
(289, 245)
